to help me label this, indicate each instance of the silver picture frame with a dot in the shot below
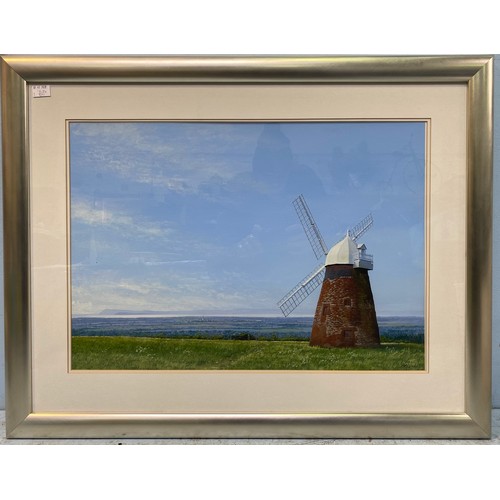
(20, 72)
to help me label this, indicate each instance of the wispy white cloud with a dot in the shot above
(251, 244)
(178, 160)
(104, 290)
(84, 211)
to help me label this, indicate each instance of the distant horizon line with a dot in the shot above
(124, 314)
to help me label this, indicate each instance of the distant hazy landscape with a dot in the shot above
(227, 327)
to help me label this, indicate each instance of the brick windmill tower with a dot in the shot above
(345, 315)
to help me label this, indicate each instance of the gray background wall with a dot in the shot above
(496, 263)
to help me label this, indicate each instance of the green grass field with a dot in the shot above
(132, 353)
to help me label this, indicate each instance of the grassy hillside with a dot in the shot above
(130, 353)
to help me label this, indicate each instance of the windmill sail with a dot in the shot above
(312, 232)
(299, 293)
(361, 228)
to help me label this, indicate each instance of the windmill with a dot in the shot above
(345, 315)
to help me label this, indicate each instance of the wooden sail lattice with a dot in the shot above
(361, 228)
(310, 228)
(300, 292)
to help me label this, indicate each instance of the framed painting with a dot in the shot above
(247, 246)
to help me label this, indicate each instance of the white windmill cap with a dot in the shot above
(344, 252)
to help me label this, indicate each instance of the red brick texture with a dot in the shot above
(345, 315)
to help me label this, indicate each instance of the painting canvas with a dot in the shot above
(247, 245)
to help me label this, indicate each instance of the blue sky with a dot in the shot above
(198, 217)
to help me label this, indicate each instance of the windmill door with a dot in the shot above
(348, 338)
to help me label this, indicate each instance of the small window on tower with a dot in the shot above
(325, 311)
(347, 302)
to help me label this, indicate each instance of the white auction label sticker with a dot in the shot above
(41, 90)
